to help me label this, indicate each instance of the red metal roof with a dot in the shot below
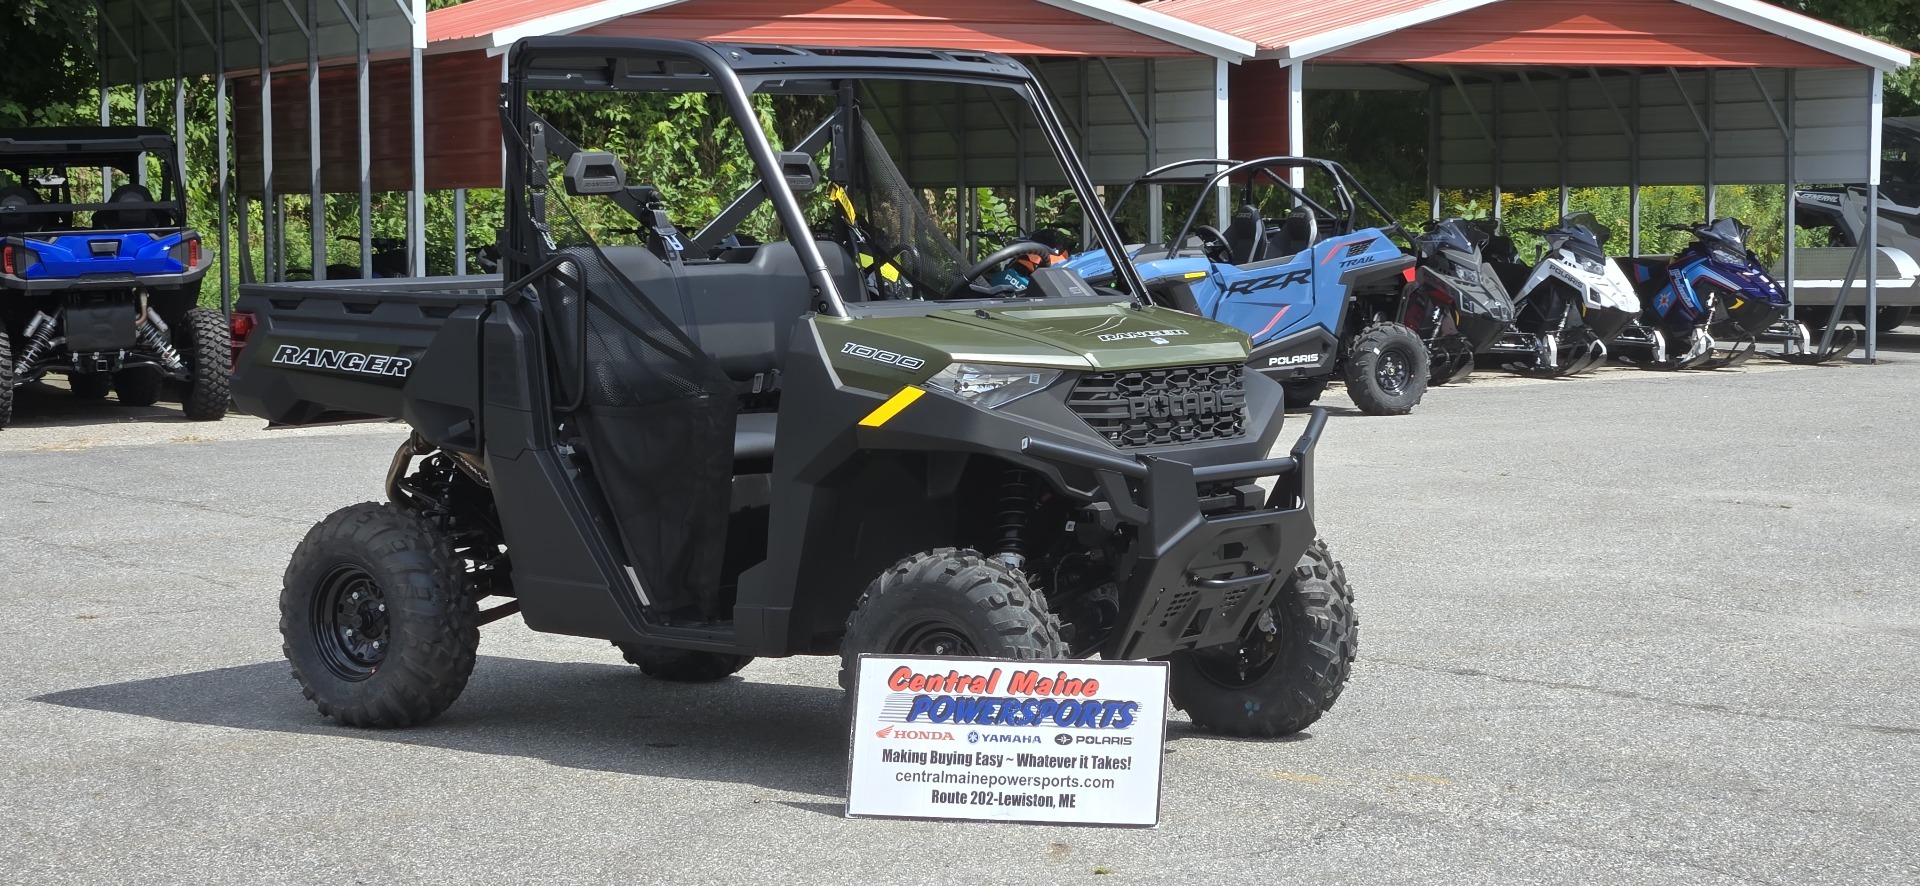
(1014, 27)
(1633, 33)
(476, 18)
(1274, 25)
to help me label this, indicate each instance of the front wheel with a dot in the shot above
(1387, 369)
(376, 619)
(1286, 669)
(208, 351)
(951, 603)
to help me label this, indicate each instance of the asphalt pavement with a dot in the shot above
(1634, 628)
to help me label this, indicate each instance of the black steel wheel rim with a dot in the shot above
(1394, 372)
(1246, 661)
(932, 637)
(350, 624)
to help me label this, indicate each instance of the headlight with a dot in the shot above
(986, 384)
(1592, 267)
(1467, 274)
(1728, 256)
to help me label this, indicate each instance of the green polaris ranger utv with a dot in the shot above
(799, 421)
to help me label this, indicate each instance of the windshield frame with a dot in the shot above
(542, 64)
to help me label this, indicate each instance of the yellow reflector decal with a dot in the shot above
(1195, 275)
(891, 408)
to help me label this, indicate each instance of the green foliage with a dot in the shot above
(47, 46)
(1761, 206)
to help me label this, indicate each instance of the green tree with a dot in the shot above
(50, 71)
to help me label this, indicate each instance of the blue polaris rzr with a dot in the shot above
(105, 293)
(1321, 292)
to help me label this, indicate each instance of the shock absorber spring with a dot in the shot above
(39, 339)
(1013, 506)
(153, 334)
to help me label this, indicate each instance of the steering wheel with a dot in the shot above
(1214, 243)
(998, 257)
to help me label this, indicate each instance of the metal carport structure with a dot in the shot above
(143, 41)
(1569, 93)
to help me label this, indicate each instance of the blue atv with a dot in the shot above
(105, 293)
(1319, 290)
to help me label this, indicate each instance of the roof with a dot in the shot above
(494, 25)
(1285, 29)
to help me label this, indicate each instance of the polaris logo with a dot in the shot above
(1295, 360)
(868, 352)
(1189, 404)
(344, 361)
(1151, 333)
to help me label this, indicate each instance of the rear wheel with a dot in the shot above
(1301, 393)
(90, 385)
(952, 603)
(682, 665)
(376, 619)
(6, 378)
(1289, 666)
(1386, 369)
(139, 386)
(208, 351)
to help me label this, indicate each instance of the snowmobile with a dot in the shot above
(1455, 301)
(1716, 289)
(1569, 306)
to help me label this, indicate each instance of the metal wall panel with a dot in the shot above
(1830, 113)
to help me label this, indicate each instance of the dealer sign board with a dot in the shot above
(1057, 742)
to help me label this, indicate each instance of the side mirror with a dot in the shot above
(798, 168)
(594, 172)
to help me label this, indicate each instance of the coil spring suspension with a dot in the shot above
(39, 339)
(153, 335)
(1010, 517)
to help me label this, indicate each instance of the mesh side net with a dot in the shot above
(898, 219)
(657, 414)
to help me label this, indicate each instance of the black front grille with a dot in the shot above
(1156, 407)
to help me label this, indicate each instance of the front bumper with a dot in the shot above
(1212, 549)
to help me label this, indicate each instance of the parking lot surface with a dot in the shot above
(1635, 628)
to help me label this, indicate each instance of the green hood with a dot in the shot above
(1113, 336)
(882, 353)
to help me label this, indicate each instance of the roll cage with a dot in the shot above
(52, 151)
(735, 72)
(1265, 170)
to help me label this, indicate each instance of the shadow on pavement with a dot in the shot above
(43, 405)
(580, 715)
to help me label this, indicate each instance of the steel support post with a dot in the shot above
(417, 202)
(317, 200)
(1792, 210)
(221, 186)
(269, 218)
(1296, 121)
(460, 231)
(1877, 110)
(366, 140)
(1712, 141)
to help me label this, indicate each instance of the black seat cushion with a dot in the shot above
(128, 219)
(1247, 236)
(15, 217)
